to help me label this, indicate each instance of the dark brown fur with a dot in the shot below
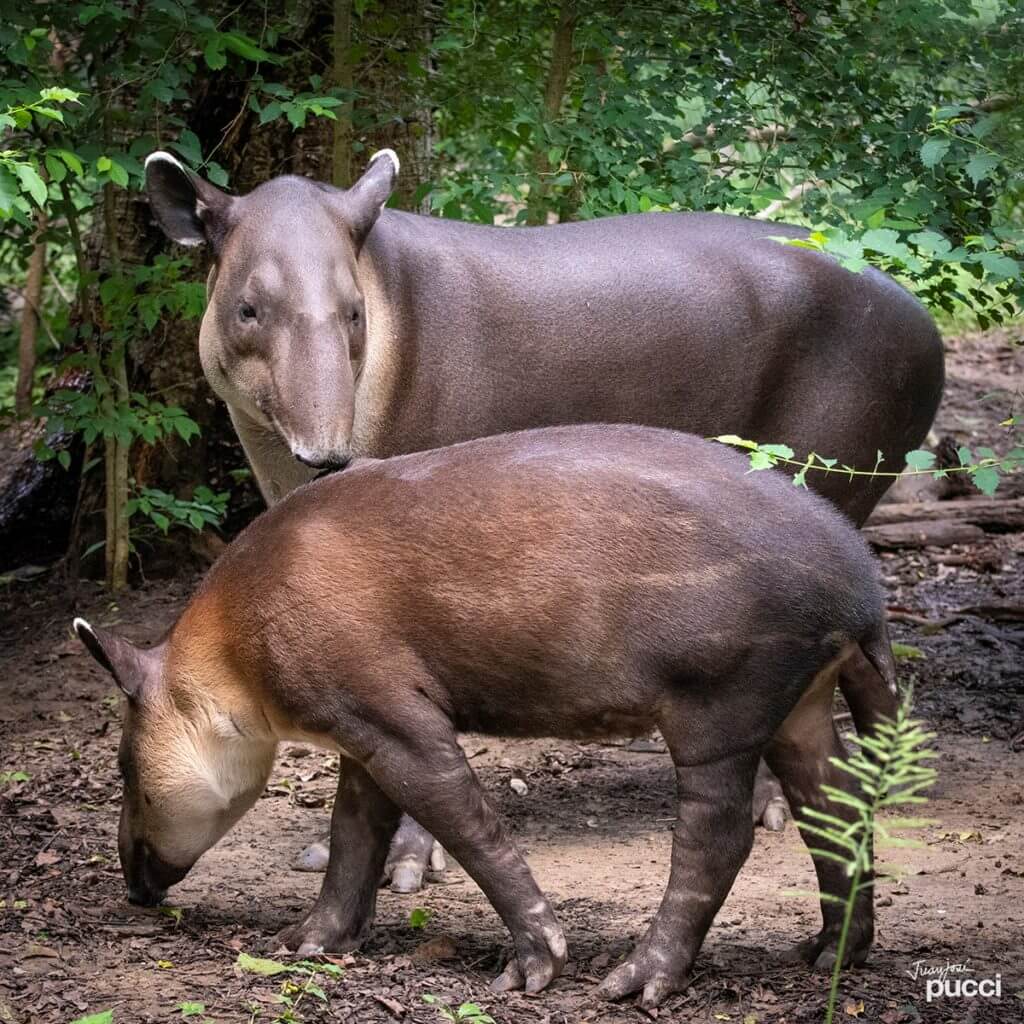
(577, 582)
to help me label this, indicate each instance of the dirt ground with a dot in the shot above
(595, 824)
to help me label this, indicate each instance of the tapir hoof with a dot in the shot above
(537, 962)
(769, 804)
(314, 857)
(647, 974)
(819, 952)
(316, 934)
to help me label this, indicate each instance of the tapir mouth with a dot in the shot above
(151, 877)
(332, 464)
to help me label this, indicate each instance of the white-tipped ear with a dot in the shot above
(190, 210)
(80, 626)
(363, 202)
(133, 669)
(391, 155)
(162, 154)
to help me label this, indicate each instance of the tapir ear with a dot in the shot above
(366, 198)
(190, 210)
(133, 668)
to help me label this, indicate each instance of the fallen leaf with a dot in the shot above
(259, 965)
(440, 947)
(853, 1009)
(393, 1006)
(33, 949)
(44, 858)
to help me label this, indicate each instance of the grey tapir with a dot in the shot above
(336, 328)
(577, 581)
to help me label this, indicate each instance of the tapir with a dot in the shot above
(336, 328)
(581, 582)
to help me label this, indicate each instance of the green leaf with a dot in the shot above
(31, 182)
(761, 460)
(74, 164)
(64, 458)
(783, 451)
(259, 965)
(8, 190)
(986, 480)
(243, 46)
(418, 917)
(981, 165)
(933, 151)
(920, 459)
(732, 439)
(55, 168)
(907, 651)
(191, 1009)
(932, 242)
(999, 266)
(213, 53)
(271, 111)
(118, 175)
(103, 1017)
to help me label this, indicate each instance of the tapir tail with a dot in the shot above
(868, 680)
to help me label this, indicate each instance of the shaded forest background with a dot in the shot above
(893, 130)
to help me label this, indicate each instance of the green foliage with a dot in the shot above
(903, 122)
(418, 918)
(889, 766)
(103, 1017)
(983, 466)
(299, 983)
(470, 1012)
(893, 131)
(7, 777)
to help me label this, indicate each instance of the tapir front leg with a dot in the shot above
(363, 822)
(417, 761)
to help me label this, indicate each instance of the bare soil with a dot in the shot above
(595, 824)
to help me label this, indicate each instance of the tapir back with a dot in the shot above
(529, 573)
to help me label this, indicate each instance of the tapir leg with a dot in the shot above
(412, 851)
(711, 840)
(363, 822)
(799, 754)
(417, 761)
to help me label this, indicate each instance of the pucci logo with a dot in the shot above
(952, 981)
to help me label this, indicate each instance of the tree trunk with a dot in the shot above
(554, 94)
(30, 317)
(341, 164)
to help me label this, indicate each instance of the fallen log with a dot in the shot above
(995, 515)
(923, 534)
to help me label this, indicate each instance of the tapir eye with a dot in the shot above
(247, 312)
(354, 316)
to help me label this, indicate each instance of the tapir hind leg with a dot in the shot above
(711, 840)
(799, 754)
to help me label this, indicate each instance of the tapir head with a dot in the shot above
(188, 773)
(284, 333)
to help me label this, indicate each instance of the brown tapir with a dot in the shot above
(337, 329)
(579, 582)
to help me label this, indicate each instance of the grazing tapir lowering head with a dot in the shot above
(191, 766)
(283, 338)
